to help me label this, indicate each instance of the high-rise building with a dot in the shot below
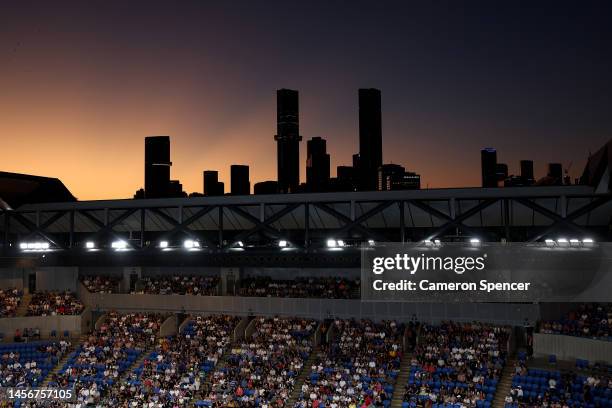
(157, 166)
(395, 177)
(527, 172)
(240, 184)
(317, 165)
(288, 140)
(502, 172)
(266, 187)
(488, 161)
(370, 138)
(555, 172)
(212, 186)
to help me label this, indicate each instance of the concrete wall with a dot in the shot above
(57, 278)
(500, 313)
(571, 348)
(46, 324)
(13, 278)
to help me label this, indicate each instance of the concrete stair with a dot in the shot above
(402, 380)
(22, 309)
(504, 385)
(145, 354)
(302, 376)
(62, 362)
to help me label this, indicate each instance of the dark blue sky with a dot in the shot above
(532, 79)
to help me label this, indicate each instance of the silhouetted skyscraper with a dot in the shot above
(212, 186)
(288, 140)
(240, 184)
(555, 172)
(502, 172)
(527, 172)
(488, 160)
(266, 187)
(317, 164)
(395, 177)
(370, 138)
(157, 166)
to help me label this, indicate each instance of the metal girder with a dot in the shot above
(452, 222)
(355, 224)
(101, 225)
(109, 228)
(182, 226)
(34, 229)
(262, 225)
(561, 221)
(45, 225)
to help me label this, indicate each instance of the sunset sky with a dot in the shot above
(82, 83)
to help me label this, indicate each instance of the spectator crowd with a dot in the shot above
(54, 303)
(9, 301)
(97, 364)
(101, 284)
(553, 388)
(261, 371)
(309, 287)
(457, 363)
(359, 369)
(593, 320)
(179, 285)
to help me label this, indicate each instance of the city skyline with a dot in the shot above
(82, 87)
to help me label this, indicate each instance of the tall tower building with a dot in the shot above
(157, 166)
(488, 162)
(317, 165)
(288, 140)
(370, 138)
(527, 172)
(240, 184)
(212, 186)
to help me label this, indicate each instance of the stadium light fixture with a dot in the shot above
(283, 243)
(574, 242)
(35, 246)
(163, 244)
(437, 242)
(340, 243)
(191, 244)
(549, 242)
(562, 242)
(331, 243)
(474, 241)
(119, 245)
(90, 245)
(371, 242)
(588, 241)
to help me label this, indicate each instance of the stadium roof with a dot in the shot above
(17, 189)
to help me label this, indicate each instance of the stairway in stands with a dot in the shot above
(504, 385)
(402, 380)
(62, 362)
(141, 358)
(22, 309)
(302, 376)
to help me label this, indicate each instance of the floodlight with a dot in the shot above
(120, 244)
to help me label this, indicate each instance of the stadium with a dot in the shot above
(241, 301)
(288, 262)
